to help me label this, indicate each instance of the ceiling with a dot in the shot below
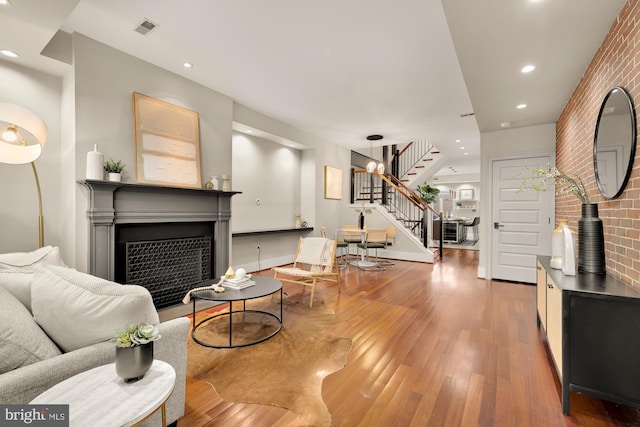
(343, 70)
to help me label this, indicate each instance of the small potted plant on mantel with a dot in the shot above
(114, 169)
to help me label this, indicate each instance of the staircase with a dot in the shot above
(416, 162)
(401, 202)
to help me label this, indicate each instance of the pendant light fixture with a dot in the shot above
(372, 166)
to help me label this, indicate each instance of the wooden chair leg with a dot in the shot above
(313, 292)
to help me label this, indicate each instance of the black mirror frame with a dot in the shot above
(632, 151)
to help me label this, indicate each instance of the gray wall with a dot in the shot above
(105, 79)
(92, 105)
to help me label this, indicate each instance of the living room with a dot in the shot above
(92, 106)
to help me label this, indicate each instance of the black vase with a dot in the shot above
(590, 241)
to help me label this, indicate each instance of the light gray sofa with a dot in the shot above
(33, 362)
(23, 384)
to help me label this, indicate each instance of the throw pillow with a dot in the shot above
(22, 342)
(19, 284)
(77, 309)
(26, 262)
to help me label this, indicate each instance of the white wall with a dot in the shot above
(40, 93)
(277, 249)
(506, 144)
(268, 172)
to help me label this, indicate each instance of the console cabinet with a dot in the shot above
(592, 328)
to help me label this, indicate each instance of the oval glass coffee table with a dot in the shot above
(264, 286)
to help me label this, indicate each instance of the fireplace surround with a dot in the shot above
(154, 218)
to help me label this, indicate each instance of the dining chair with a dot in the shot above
(376, 238)
(473, 225)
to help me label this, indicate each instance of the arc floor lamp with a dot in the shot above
(22, 138)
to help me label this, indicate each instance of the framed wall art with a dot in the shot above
(167, 143)
(332, 183)
(466, 194)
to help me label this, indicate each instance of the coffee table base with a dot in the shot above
(230, 314)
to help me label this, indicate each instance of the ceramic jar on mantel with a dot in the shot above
(226, 183)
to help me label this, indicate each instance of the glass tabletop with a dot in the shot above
(264, 286)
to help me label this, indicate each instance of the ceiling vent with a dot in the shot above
(467, 115)
(145, 27)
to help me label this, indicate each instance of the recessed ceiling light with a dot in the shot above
(521, 106)
(9, 53)
(462, 148)
(528, 68)
(466, 154)
(248, 131)
(505, 124)
(458, 140)
(188, 65)
(5, 2)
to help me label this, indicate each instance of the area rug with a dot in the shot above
(287, 370)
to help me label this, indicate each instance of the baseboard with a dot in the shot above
(267, 263)
(181, 310)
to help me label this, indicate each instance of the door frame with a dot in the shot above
(487, 211)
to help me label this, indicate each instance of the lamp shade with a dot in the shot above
(31, 130)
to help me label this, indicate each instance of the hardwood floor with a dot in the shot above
(432, 346)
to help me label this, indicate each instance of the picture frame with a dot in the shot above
(332, 183)
(466, 194)
(167, 143)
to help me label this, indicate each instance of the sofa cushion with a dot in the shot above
(19, 284)
(77, 309)
(27, 262)
(22, 342)
(16, 270)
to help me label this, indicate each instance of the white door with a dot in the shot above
(610, 169)
(521, 220)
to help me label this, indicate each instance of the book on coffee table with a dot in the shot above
(238, 283)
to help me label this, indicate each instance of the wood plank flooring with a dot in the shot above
(432, 346)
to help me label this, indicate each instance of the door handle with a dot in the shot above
(497, 225)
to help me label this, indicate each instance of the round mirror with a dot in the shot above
(614, 145)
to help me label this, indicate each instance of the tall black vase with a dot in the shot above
(590, 241)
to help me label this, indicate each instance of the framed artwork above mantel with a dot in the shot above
(167, 143)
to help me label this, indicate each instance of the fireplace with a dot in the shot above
(168, 259)
(166, 239)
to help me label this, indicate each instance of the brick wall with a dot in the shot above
(615, 63)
